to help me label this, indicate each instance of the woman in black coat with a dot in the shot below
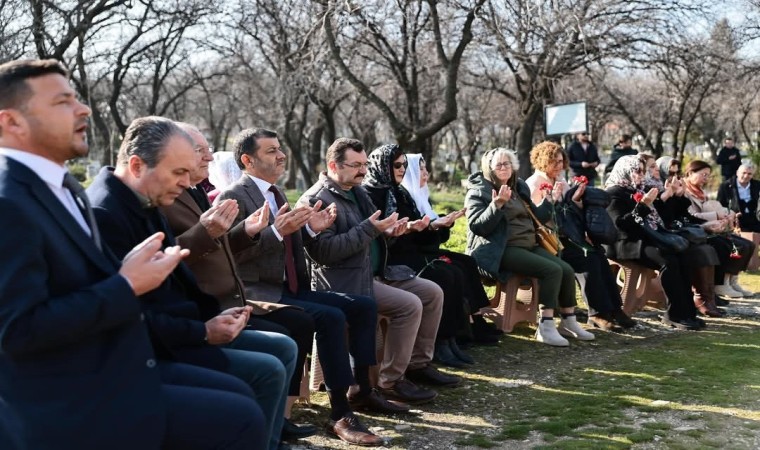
(418, 249)
(631, 210)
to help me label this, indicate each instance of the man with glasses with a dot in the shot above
(342, 260)
(583, 157)
(274, 270)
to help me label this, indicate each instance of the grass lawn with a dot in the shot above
(649, 388)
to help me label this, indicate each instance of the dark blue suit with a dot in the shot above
(76, 365)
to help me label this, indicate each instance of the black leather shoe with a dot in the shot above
(681, 324)
(291, 431)
(459, 354)
(720, 301)
(443, 355)
(623, 319)
(431, 375)
(375, 402)
(406, 391)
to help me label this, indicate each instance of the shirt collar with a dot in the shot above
(262, 184)
(51, 172)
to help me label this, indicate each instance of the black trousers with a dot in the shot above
(675, 274)
(724, 246)
(601, 290)
(293, 322)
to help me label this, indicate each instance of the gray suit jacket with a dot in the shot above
(262, 266)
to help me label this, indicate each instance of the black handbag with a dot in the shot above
(693, 233)
(661, 237)
(665, 239)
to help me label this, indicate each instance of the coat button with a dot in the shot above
(236, 296)
(142, 317)
(151, 363)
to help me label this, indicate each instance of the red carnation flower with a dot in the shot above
(445, 259)
(546, 186)
(581, 179)
(638, 196)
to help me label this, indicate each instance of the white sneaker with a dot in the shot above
(547, 334)
(734, 282)
(725, 290)
(570, 327)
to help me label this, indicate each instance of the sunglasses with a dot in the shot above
(398, 165)
(502, 165)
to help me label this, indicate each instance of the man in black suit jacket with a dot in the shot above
(740, 194)
(76, 365)
(153, 168)
(583, 157)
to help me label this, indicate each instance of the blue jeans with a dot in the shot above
(265, 361)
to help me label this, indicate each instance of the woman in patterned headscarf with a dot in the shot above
(631, 209)
(387, 166)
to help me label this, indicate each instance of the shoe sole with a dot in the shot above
(369, 409)
(410, 402)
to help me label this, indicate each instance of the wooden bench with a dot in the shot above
(638, 285)
(513, 302)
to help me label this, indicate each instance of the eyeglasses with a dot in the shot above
(398, 165)
(356, 166)
(502, 165)
(208, 149)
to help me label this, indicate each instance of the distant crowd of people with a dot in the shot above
(148, 312)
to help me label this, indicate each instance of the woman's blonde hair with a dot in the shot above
(495, 155)
(543, 155)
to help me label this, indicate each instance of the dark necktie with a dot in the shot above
(290, 260)
(200, 198)
(80, 198)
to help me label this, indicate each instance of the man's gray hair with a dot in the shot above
(746, 165)
(147, 137)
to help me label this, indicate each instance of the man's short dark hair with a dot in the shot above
(147, 137)
(14, 91)
(337, 151)
(246, 142)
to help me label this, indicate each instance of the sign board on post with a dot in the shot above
(566, 118)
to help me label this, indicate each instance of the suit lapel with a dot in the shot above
(60, 214)
(187, 200)
(255, 196)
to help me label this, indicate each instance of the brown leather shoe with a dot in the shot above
(431, 375)
(351, 430)
(405, 391)
(375, 402)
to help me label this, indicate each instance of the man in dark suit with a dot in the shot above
(275, 270)
(729, 159)
(206, 231)
(153, 168)
(76, 365)
(583, 157)
(740, 194)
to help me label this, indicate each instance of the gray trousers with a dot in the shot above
(414, 308)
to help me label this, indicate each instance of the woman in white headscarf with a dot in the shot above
(222, 172)
(415, 182)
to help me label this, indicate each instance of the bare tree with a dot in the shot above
(404, 58)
